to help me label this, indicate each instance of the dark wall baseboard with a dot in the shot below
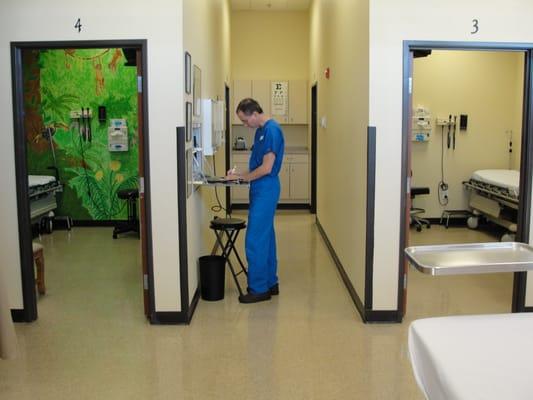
(177, 317)
(384, 316)
(18, 316)
(351, 290)
(88, 222)
(368, 316)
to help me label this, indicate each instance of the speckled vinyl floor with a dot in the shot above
(91, 340)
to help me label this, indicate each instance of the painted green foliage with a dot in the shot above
(70, 80)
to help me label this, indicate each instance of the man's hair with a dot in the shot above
(248, 106)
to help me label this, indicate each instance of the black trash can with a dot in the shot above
(212, 273)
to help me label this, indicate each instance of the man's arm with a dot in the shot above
(264, 169)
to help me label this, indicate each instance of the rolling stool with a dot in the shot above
(38, 258)
(229, 228)
(415, 212)
(132, 224)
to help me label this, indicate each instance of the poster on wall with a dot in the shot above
(197, 91)
(188, 80)
(280, 98)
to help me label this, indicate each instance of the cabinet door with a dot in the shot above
(241, 90)
(281, 119)
(297, 102)
(299, 181)
(261, 93)
(284, 178)
(240, 194)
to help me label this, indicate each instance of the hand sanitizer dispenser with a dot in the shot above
(117, 135)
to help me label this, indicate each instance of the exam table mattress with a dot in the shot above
(473, 357)
(507, 179)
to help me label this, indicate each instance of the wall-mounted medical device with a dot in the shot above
(421, 124)
(213, 125)
(81, 120)
(117, 135)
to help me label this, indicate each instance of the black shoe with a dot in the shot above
(274, 290)
(254, 297)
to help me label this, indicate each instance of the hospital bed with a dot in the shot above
(494, 194)
(42, 193)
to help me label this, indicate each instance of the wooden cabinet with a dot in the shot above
(261, 90)
(261, 93)
(293, 176)
(297, 102)
(285, 181)
(240, 194)
(299, 181)
(256, 89)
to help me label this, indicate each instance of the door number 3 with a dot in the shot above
(475, 26)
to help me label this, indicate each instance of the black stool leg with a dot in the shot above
(232, 239)
(227, 248)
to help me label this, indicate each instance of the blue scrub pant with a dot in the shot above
(260, 242)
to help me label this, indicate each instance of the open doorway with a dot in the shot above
(80, 120)
(465, 156)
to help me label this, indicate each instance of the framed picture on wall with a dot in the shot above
(197, 91)
(188, 121)
(188, 80)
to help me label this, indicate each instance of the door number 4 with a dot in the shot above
(78, 25)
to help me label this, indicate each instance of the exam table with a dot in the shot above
(479, 356)
(42, 194)
(494, 194)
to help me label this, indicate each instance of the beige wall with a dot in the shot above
(390, 23)
(482, 85)
(339, 40)
(206, 36)
(159, 23)
(269, 44)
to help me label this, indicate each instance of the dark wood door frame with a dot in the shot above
(227, 147)
(526, 161)
(29, 311)
(314, 144)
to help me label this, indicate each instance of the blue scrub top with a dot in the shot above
(268, 138)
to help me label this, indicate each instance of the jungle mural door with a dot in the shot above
(68, 98)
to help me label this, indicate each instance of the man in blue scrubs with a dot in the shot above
(264, 166)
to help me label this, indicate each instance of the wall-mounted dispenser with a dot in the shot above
(117, 135)
(213, 125)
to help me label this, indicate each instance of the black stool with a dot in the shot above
(229, 228)
(132, 224)
(418, 221)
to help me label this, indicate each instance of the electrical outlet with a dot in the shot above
(444, 196)
(443, 193)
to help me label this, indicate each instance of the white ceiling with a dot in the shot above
(270, 5)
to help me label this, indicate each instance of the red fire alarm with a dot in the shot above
(326, 73)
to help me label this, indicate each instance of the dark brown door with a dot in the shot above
(142, 212)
